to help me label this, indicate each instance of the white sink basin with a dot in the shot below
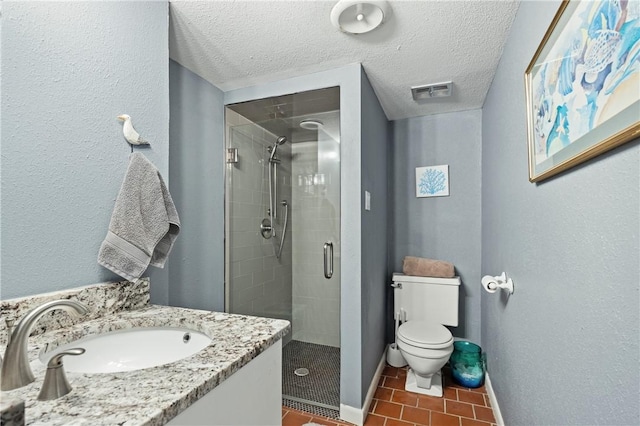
(131, 349)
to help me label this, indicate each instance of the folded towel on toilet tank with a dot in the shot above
(422, 267)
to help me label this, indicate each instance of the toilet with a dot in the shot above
(425, 306)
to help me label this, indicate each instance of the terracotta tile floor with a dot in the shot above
(393, 406)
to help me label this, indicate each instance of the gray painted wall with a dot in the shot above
(376, 137)
(196, 167)
(348, 78)
(564, 348)
(445, 228)
(67, 72)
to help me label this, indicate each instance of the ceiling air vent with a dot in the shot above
(428, 91)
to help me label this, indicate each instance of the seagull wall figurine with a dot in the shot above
(130, 134)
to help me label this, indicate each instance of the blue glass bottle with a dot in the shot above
(467, 364)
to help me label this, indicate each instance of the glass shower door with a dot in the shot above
(316, 247)
(258, 283)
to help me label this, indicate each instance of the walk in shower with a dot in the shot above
(282, 227)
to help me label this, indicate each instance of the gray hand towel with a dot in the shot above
(144, 223)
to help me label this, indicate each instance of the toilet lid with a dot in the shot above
(424, 334)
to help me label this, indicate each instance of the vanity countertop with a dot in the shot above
(150, 396)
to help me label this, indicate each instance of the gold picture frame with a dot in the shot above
(583, 85)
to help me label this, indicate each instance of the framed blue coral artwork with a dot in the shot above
(583, 85)
(432, 181)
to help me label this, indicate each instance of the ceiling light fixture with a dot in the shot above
(428, 91)
(311, 124)
(359, 16)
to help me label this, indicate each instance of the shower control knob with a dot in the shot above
(266, 230)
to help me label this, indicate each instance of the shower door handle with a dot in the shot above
(328, 260)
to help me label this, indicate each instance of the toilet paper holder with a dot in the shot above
(499, 282)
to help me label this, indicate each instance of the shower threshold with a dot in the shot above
(314, 403)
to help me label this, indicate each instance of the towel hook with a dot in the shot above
(130, 133)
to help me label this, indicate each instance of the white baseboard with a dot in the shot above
(357, 416)
(351, 414)
(494, 401)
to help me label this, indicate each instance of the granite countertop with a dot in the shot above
(11, 412)
(150, 396)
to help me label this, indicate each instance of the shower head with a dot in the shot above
(272, 150)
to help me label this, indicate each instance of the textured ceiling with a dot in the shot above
(235, 44)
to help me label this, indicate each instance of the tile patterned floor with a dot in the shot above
(393, 406)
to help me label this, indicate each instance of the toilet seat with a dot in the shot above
(424, 334)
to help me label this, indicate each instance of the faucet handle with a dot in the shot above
(56, 360)
(55, 381)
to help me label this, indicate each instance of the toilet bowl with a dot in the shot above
(426, 305)
(426, 346)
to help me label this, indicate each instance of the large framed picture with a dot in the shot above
(583, 85)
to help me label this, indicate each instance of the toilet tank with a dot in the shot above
(427, 298)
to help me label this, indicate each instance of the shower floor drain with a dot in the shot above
(301, 372)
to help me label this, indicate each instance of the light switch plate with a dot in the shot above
(367, 200)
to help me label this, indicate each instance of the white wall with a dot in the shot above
(68, 69)
(563, 349)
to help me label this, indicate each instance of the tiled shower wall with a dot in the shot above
(261, 284)
(316, 220)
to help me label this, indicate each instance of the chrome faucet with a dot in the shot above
(16, 371)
